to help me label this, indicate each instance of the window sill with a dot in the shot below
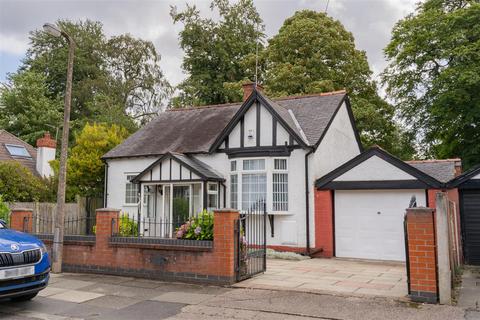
(130, 205)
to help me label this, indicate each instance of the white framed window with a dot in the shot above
(254, 190)
(131, 190)
(234, 191)
(280, 185)
(212, 196)
(233, 165)
(253, 164)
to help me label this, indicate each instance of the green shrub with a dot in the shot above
(4, 211)
(18, 184)
(197, 228)
(127, 227)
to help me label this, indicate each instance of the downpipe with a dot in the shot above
(307, 205)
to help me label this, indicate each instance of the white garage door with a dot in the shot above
(369, 223)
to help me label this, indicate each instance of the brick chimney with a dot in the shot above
(248, 89)
(45, 153)
(458, 167)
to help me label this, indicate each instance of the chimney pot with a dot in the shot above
(46, 141)
(248, 89)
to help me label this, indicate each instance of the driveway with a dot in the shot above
(336, 276)
(79, 296)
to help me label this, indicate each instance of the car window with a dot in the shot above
(1, 225)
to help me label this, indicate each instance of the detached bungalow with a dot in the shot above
(236, 155)
(302, 156)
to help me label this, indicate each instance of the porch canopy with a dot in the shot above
(177, 186)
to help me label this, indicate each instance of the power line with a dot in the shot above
(326, 7)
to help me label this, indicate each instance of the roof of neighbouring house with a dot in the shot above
(442, 170)
(194, 130)
(8, 139)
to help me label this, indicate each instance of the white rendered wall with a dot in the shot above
(44, 156)
(118, 169)
(338, 146)
(375, 169)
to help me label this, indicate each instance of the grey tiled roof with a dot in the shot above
(194, 130)
(442, 170)
(199, 166)
(8, 138)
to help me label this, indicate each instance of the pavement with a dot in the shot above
(469, 294)
(84, 296)
(336, 276)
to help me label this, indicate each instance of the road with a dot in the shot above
(78, 296)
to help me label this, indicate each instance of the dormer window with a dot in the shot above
(17, 151)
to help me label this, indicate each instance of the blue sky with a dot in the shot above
(370, 21)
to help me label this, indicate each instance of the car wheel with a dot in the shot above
(25, 297)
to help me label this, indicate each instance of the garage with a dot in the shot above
(369, 223)
(362, 204)
(469, 188)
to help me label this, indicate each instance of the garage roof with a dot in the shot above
(468, 180)
(377, 169)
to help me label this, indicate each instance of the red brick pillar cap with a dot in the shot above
(421, 210)
(108, 210)
(225, 210)
(46, 141)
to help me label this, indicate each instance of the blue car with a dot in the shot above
(24, 265)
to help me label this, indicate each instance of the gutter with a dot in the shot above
(307, 203)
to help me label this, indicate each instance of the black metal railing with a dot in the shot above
(196, 227)
(75, 226)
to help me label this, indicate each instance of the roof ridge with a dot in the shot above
(434, 160)
(222, 105)
(322, 94)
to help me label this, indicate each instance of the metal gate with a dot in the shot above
(251, 242)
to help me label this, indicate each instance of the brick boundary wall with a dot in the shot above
(213, 265)
(422, 258)
(324, 223)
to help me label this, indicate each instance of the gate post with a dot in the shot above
(421, 255)
(443, 254)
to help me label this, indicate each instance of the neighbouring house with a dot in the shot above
(360, 206)
(36, 160)
(236, 155)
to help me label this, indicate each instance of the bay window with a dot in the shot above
(212, 196)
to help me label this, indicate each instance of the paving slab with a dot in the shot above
(184, 297)
(75, 296)
(332, 276)
(50, 291)
(113, 302)
(145, 310)
(71, 284)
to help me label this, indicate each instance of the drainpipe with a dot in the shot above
(105, 188)
(307, 202)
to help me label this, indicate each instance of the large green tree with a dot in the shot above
(27, 108)
(217, 52)
(116, 80)
(86, 170)
(434, 76)
(314, 53)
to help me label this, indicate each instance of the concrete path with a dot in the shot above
(469, 295)
(337, 276)
(95, 297)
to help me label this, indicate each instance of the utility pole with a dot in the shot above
(62, 174)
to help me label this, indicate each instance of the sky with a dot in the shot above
(370, 21)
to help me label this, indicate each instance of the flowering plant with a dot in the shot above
(197, 228)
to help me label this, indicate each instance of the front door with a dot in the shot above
(181, 205)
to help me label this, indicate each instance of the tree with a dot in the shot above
(434, 77)
(86, 170)
(135, 67)
(313, 53)
(115, 80)
(26, 109)
(217, 53)
(17, 183)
